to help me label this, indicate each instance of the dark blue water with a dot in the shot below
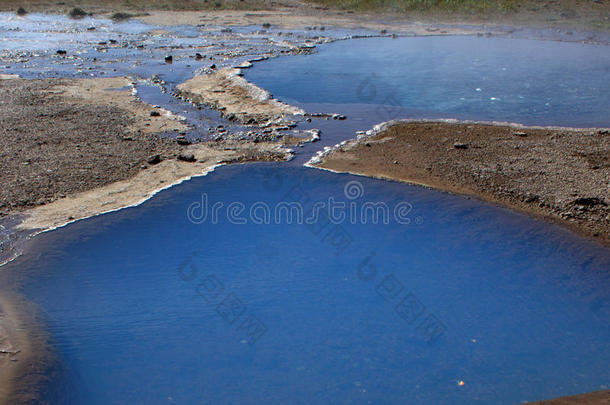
(452, 301)
(517, 80)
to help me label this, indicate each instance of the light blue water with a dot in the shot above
(161, 304)
(517, 80)
(515, 308)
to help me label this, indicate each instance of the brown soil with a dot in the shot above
(70, 149)
(592, 398)
(52, 145)
(559, 174)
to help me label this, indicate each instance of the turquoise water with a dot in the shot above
(517, 80)
(233, 288)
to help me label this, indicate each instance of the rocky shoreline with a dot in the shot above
(94, 149)
(559, 174)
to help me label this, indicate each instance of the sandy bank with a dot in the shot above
(119, 92)
(60, 137)
(76, 148)
(145, 184)
(562, 175)
(299, 17)
(592, 398)
(21, 355)
(237, 98)
(13, 349)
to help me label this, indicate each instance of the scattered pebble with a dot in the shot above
(77, 12)
(187, 157)
(181, 140)
(153, 160)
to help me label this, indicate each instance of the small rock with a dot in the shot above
(383, 32)
(155, 114)
(396, 162)
(459, 145)
(519, 133)
(153, 160)
(213, 66)
(198, 56)
(169, 59)
(181, 140)
(61, 52)
(187, 157)
(121, 16)
(21, 11)
(266, 25)
(603, 132)
(77, 12)
(589, 202)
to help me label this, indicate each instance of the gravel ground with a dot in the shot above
(50, 147)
